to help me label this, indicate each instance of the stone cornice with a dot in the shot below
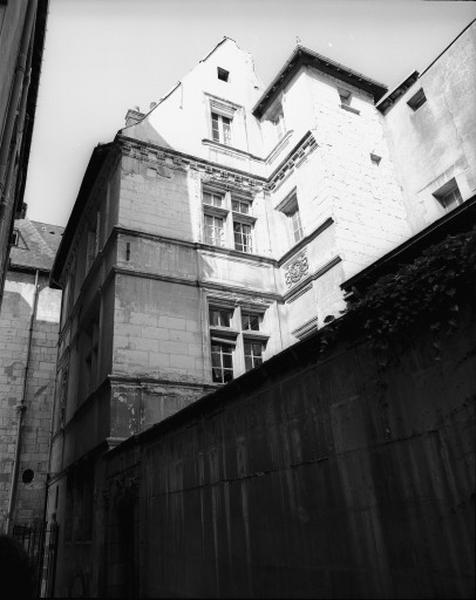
(294, 158)
(146, 151)
(245, 256)
(305, 240)
(149, 152)
(208, 285)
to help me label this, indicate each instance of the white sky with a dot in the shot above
(105, 56)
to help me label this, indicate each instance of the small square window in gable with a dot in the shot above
(417, 100)
(223, 74)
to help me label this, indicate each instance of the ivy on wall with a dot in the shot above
(426, 294)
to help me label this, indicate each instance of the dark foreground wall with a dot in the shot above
(316, 476)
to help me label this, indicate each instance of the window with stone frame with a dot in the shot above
(222, 362)
(221, 128)
(227, 219)
(223, 341)
(449, 196)
(237, 342)
(290, 208)
(222, 116)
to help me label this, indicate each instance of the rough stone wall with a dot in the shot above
(298, 482)
(437, 142)
(15, 318)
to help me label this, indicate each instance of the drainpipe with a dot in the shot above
(21, 407)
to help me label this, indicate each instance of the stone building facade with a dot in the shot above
(22, 31)
(211, 234)
(29, 319)
(431, 116)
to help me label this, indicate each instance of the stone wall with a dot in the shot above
(441, 133)
(295, 481)
(37, 395)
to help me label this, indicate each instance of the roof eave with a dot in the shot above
(303, 56)
(95, 164)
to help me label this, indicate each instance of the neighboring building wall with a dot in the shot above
(436, 143)
(22, 28)
(29, 334)
(295, 482)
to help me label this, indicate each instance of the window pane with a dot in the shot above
(250, 321)
(242, 235)
(225, 318)
(214, 230)
(215, 130)
(226, 130)
(240, 206)
(222, 363)
(296, 226)
(227, 376)
(257, 348)
(212, 199)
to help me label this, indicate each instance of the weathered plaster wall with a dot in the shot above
(308, 484)
(437, 142)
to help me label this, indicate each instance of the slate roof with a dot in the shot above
(37, 245)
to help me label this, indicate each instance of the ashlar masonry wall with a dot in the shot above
(37, 394)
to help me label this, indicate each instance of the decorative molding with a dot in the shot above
(299, 153)
(305, 330)
(231, 150)
(305, 241)
(292, 294)
(211, 172)
(296, 269)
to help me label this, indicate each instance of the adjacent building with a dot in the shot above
(211, 234)
(29, 319)
(22, 30)
(430, 124)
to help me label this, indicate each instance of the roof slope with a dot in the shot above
(37, 245)
(302, 56)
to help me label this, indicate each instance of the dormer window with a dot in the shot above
(222, 114)
(417, 100)
(223, 74)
